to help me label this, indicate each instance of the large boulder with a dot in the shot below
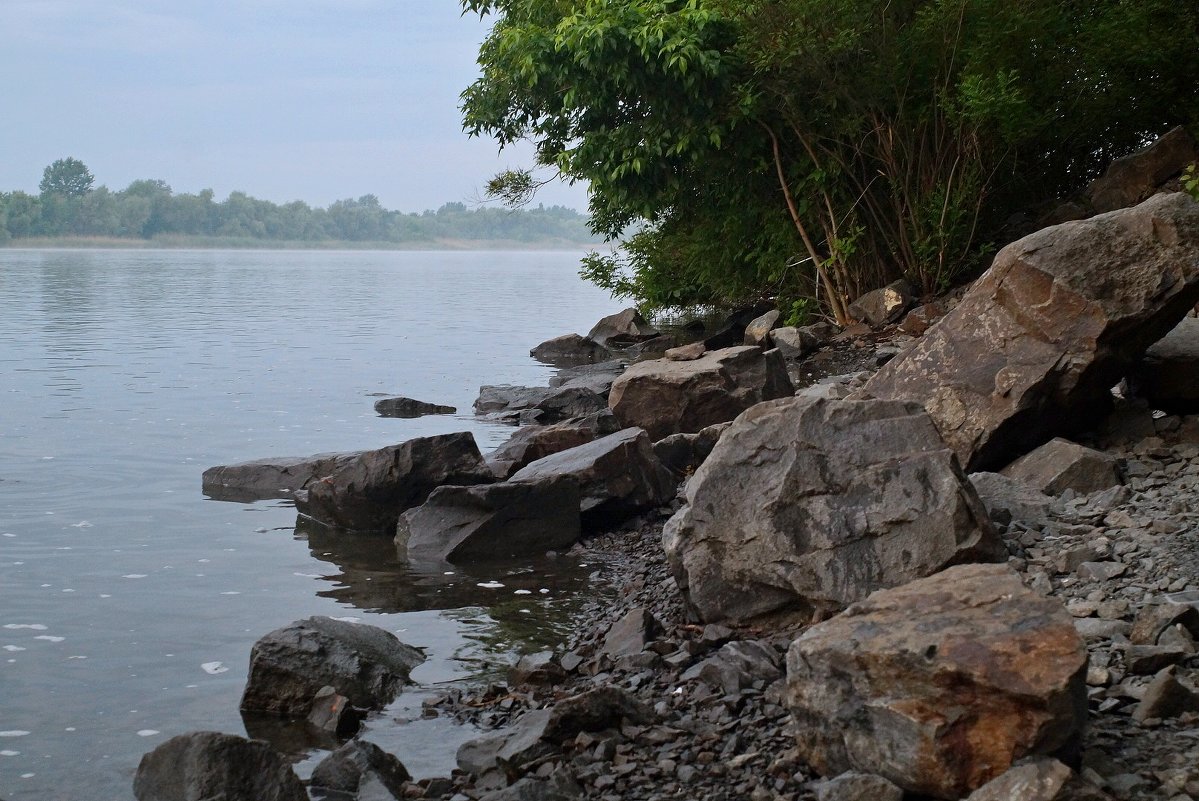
(523, 405)
(1131, 179)
(491, 521)
(409, 407)
(667, 397)
(1035, 345)
(1060, 464)
(757, 333)
(276, 477)
(885, 305)
(939, 685)
(809, 505)
(291, 665)
(618, 475)
(209, 765)
(1168, 376)
(569, 350)
(1009, 499)
(352, 765)
(531, 443)
(623, 328)
(368, 492)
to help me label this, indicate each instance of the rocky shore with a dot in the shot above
(951, 552)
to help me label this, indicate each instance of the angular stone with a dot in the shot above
(920, 319)
(1059, 465)
(408, 408)
(538, 668)
(881, 306)
(346, 769)
(1131, 179)
(513, 404)
(1167, 696)
(939, 685)
(1154, 619)
(1142, 660)
(1035, 345)
(333, 713)
(1168, 376)
(683, 453)
(809, 505)
(618, 475)
(666, 397)
(1033, 780)
(1001, 494)
(855, 786)
(368, 492)
(569, 350)
(686, 353)
(560, 786)
(757, 333)
(491, 521)
(211, 765)
(276, 477)
(290, 665)
(623, 328)
(531, 443)
(794, 343)
(737, 666)
(631, 633)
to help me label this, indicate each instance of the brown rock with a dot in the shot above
(1152, 620)
(920, 319)
(531, 443)
(211, 765)
(939, 685)
(1167, 697)
(667, 397)
(881, 306)
(1036, 343)
(758, 331)
(686, 353)
(1131, 179)
(623, 328)
(1059, 465)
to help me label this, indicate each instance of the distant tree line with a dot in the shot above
(70, 206)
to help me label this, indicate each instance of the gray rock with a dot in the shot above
(899, 682)
(1168, 376)
(1167, 696)
(407, 407)
(809, 505)
(757, 333)
(290, 665)
(543, 405)
(1131, 179)
(491, 521)
(881, 306)
(370, 491)
(531, 443)
(333, 713)
(794, 343)
(623, 328)
(666, 397)
(275, 477)
(569, 350)
(560, 786)
(210, 765)
(1143, 660)
(1153, 619)
(346, 769)
(1059, 465)
(683, 453)
(1035, 345)
(737, 666)
(1093, 629)
(999, 494)
(855, 786)
(631, 633)
(539, 668)
(618, 475)
(1042, 779)
(596, 377)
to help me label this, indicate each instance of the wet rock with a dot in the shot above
(757, 333)
(618, 475)
(683, 453)
(570, 350)
(1168, 376)
(1004, 495)
(666, 397)
(531, 443)
(809, 505)
(596, 377)
(1059, 465)
(278, 477)
(290, 665)
(939, 685)
(368, 492)
(538, 668)
(631, 633)
(211, 765)
(881, 306)
(407, 407)
(333, 713)
(623, 328)
(1131, 179)
(686, 353)
(513, 404)
(794, 343)
(560, 786)
(492, 521)
(1167, 696)
(350, 766)
(855, 786)
(1035, 345)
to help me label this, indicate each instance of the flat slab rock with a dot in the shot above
(670, 397)
(1036, 343)
(939, 685)
(531, 443)
(272, 477)
(409, 407)
(1059, 465)
(809, 505)
(211, 765)
(291, 665)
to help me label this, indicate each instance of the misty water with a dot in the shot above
(128, 601)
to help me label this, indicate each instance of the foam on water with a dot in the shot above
(214, 668)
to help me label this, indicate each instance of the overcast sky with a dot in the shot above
(314, 100)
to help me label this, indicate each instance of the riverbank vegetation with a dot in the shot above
(809, 150)
(70, 211)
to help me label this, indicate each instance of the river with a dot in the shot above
(128, 600)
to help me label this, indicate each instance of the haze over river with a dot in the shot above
(129, 601)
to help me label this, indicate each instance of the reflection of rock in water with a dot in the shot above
(291, 738)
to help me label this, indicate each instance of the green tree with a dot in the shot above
(67, 177)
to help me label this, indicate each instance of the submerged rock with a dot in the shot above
(939, 685)
(210, 765)
(1035, 345)
(570, 350)
(273, 477)
(291, 665)
(354, 764)
(809, 505)
(407, 407)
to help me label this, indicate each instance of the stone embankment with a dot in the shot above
(970, 574)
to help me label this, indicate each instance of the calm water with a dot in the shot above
(128, 601)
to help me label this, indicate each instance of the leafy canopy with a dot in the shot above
(68, 177)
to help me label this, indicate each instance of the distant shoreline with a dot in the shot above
(239, 243)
